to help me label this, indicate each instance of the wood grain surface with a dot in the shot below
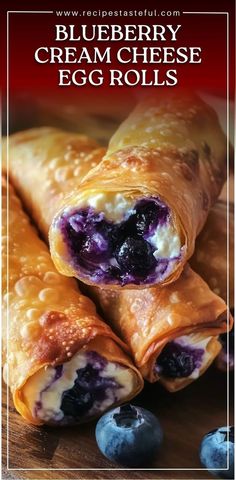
(71, 453)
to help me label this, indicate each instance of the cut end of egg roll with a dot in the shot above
(185, 359)
(64, 364)
(76, 391)
(117, 240)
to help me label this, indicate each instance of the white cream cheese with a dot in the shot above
(115, 206)
(166, 241)
(39, 388)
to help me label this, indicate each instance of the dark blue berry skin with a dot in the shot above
(176, 361)
(76, 404)
(213, 452)
(89, 387)
(135, 256)
(130, 436)
(120, 253)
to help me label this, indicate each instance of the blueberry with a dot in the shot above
(88, 233)
(89, 379)
(94, 248)
(148, 215)
(214, 450)
(135, 256)
(128, 435)
(76, 403)
(178, 361)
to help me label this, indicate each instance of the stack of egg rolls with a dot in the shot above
(63, 364)
(172, 332)
(134, 220)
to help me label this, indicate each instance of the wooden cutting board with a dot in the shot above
(71, 453)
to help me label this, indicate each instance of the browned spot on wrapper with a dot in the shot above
(206, 149)
(62, 336)
(186, 171)
(192, 160)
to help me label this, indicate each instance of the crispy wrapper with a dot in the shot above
(172, 148)
(23, 149)
(45, 164)
(49, 320)
(148, 319)
(210, 256)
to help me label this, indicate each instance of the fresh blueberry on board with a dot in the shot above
(129, 435)
(216, 446)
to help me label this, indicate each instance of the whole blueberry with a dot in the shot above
(135, 256)
(129, 435)
(216, 446)
(178, 361)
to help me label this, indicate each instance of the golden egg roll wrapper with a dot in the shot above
(46, 320)
(22, 145)
(169, 148)
(170, 151)
(147, 320)
(45, 164)
(210, 256)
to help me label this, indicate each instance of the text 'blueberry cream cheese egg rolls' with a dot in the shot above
(172, 331)
(63, 364)
(135, 217)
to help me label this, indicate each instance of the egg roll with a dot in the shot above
(134, 220)
(210, 257)
(172, 331)
(51, 145)
(63, 364)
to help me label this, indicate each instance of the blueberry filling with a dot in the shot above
(89, 387)
(177, 361)
(76, 403)
(134, 255)
(117, 252)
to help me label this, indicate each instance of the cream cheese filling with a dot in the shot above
(43, 395)
(165, 240)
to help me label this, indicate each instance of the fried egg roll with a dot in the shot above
(172, 331)
(63, 364)
(135, 217)
(210, 257)
(23, 147)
